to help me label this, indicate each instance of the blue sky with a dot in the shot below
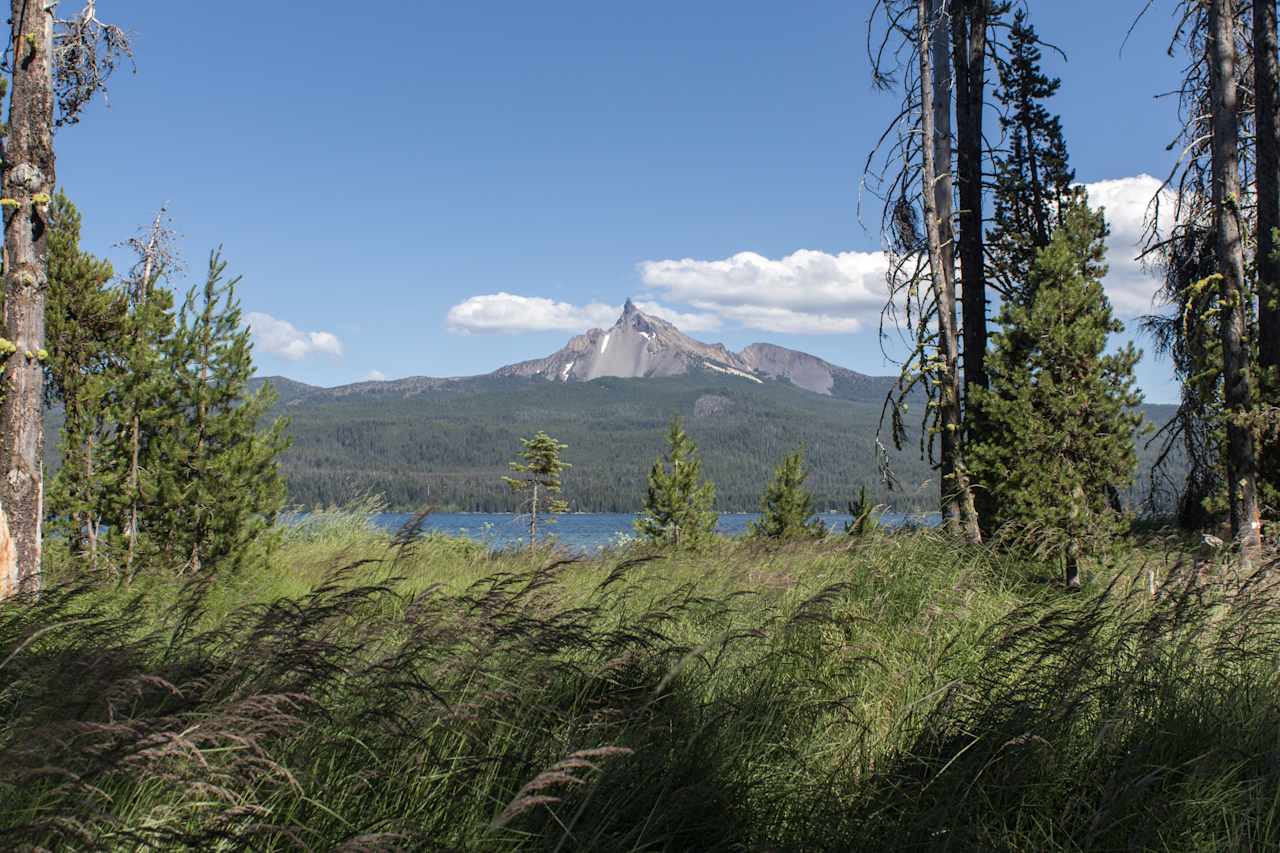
(381, 177)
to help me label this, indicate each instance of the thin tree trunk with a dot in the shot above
(969, 47)
(142, 289)
(935, 117)
(91, 530)
(27, 185)
(533, 519)
(1266, 90)
(1242, 465)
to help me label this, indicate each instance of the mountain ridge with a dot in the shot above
(637, 346)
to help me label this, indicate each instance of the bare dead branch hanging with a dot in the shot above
(86, 54)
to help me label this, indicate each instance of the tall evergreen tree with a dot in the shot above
(538, 475)
(85, 325)
(1060, 413)
(677, 507)
(220, 488)
(1033, 179)
(787, 506)
(143, 407)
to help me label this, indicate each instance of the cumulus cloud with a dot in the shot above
(375, 376)
(282, 338)
(1130, 287)
(506, 312)
(807, 291)
(683, 322)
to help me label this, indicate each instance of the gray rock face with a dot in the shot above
(807, 371)
(640, 345)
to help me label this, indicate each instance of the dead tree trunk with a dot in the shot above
(27, 185)
(1242, 464)
(969, 48)
(935, 123)
(1266, 79)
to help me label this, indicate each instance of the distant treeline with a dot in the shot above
(449, 448)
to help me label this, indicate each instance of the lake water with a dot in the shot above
(592, 531)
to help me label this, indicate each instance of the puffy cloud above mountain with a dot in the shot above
(805, 292)
(684, 322)
(282, 338)
(507, 312)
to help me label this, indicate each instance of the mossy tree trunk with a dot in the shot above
(935, 116)
(969, 48)
(1242, 464)
(1266, 78)
(28, 183)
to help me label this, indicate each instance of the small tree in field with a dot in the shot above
(1061, 414)
(787, 504)
(538, 476)
(677, 509)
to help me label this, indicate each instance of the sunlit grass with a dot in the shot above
(897, 691)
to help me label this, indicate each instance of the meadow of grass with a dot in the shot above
(371, 692)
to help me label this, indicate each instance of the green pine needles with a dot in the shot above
(221, 490)
(1060, 415)
(538, 476)
(787, 506)
(677, 507)
(163, 462)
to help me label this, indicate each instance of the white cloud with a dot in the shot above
(1130, 287)
(683, 322)
(506, 312)
(375, 376)
(807, 291)
(282, 338)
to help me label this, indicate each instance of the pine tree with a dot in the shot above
(677, 508)
(219, 488)
(787, 506)
(85, 322)
(864, 515)
(1060, 413)
(142, 407)
(1033, 180)
(538, 474)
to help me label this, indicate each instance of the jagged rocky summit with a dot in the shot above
(641, 345)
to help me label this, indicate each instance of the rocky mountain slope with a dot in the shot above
(641, 346)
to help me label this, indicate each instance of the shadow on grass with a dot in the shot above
(1121, 721)
(365, 717)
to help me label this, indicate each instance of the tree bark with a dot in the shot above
(1242, 465)
(969, 48)
(1266, 89)
(935, 118)
(27, 185)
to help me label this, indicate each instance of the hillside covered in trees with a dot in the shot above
(446, 443)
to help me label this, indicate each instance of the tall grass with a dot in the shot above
(900, 692)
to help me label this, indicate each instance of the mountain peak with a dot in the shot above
(642, 345)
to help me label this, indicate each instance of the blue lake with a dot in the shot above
(591, 531)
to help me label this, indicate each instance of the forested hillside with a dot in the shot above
(448, 442)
